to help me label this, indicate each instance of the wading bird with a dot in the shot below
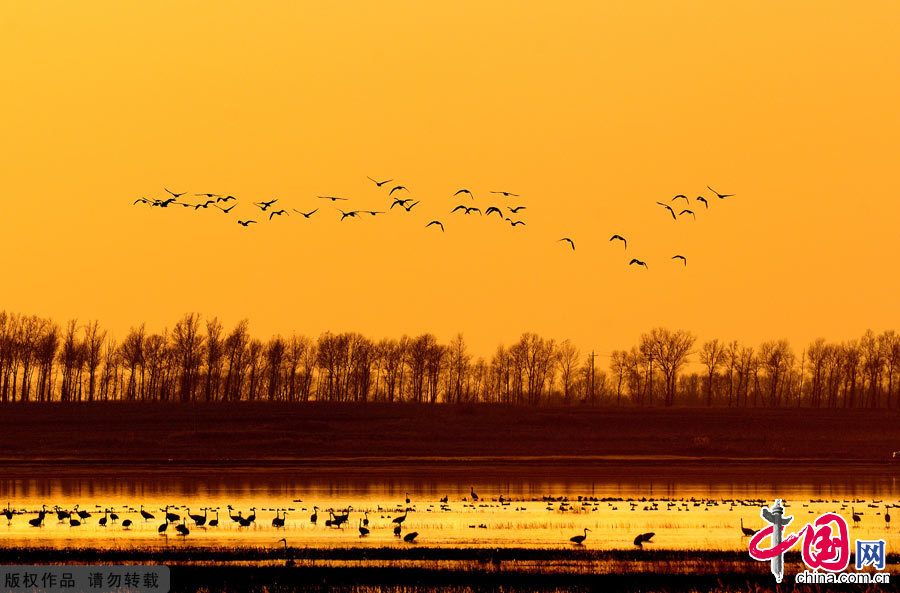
(287, 561)
(215, 522)
(315, 516)
(746, 530)
(182, 529)
(579, 539)
(410, 537)
(363, 531)
(147, 516)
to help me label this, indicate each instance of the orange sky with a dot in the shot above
(592, 111)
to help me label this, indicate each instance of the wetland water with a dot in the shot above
(688, 505)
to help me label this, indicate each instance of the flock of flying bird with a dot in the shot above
(399, 195)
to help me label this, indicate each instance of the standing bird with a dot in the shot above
(472, 493)
(746, 530)
(315, 516)
(363, 531)
(162, 528)
(856, 516)
(410, 537)
(126, 523)
(702, 199)
(198, 520)
(287, 561)
(147, 516)
(182, 529)
(681, 257)
(379, 183)
(7, 512)
(669, 208)
(569, 241)
(579, 539)
(436, 222)
(400, 519)
(638, 262)
(103, 519)
(305, 214)
(718, 195)
(464, 191)
(215, 522)
(278, 521)
(397, 529)
(619, 238)
(887, 517)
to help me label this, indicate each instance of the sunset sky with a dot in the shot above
(592, 111)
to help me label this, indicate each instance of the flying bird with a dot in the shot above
(669, 208)
(411, 206)
(164, 203)
(351, 214)
(397, 188)
(464, 191)
(400, 202)
(638, 262)
(246, 222)
(305, 214)
(682, 196)
(620, 238)
(467, 209)
(277, 213)
(435, 222)
(569, 241)
(718, 195)
(209, 195)
(686, 211)
(493, 209)
(505, 194)
(225, 199)
(332, 198)
(514, 223)
(373, 212)
(681, 257)
(516, 209)
(264, 205)
(702, 199)
(225, 210)
(142, 201)
(379, 183)
(204, 205)
(174, 195)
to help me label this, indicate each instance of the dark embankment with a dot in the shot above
(282, 432)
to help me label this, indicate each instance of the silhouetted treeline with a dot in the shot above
(200, 361)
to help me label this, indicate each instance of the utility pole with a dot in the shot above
(592, 377)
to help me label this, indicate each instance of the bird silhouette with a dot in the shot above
(702, 199)
(411, 537)
(379, 183)
(681, 257)
(175, 195)
(265, 205)
(569, 241)
(225, 210)
(351, 214)
(397, 188)
(718, 195)
(686, 211)
(464, 191)
(332, 198)
(746, 530)
(278, 213)
(246, 222)
(682, 196)
(506, 194)
(579, 539)
(411, 206)
(669, 208)
(204, 204)
(619, 238)
(372, 212)
(305, 214)
(515, 223)
(165, 203)
(209, 195)
(142, 201)
(401, 203)
(225, 199)
(643, 537)
(638, 262)
(493, 209)
(516, 209)
(435, 222)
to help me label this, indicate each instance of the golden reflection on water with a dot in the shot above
(684, 510)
